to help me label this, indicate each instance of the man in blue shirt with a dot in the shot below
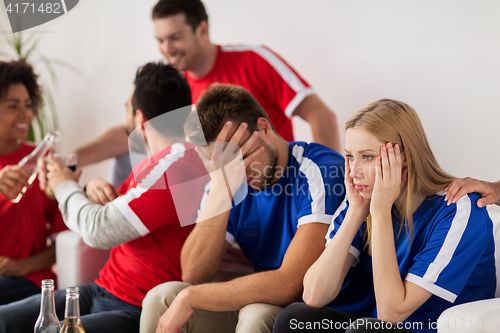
(292, 191)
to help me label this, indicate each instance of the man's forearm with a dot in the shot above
(271, 287)
(113, 142)
(325, 131)
(204, 248)
(99, 226)
(322, 120)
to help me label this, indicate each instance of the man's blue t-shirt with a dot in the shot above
(310, 190)
(451, 255)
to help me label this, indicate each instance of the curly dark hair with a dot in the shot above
(20, 71)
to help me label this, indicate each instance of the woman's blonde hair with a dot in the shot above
(393, 121)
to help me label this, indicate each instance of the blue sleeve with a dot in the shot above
(357, 243)
(320, 186)
(457, 243)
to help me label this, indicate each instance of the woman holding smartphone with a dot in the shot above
(425, 255)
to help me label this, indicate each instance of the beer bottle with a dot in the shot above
(47, 321)
(72, 323)
(29, 162)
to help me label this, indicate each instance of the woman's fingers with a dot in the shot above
(378, 170)
(385, 163)
(7, 192)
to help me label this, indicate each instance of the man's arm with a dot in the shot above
(490, 192)
(101, 227)
(322, 120)
(113, 142)
(280, 287)
(205, 246)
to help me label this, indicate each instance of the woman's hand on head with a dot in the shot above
(390, 178)
(357, 204)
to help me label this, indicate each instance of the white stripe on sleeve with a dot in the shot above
(122, 203)
(316, 185)
(297, 100)
(341, 208)
(431, 287)
(451, 241)
(286, 73)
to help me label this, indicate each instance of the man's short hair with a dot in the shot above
(218, 104)
(193, 9)
(20, 71)
(160, 88)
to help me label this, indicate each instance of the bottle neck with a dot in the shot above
(72, 306)
(47, 303)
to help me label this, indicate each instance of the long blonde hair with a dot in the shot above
(393, 121)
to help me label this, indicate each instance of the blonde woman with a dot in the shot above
(425, 255)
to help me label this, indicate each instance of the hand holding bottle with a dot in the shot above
(14, 181)
(59, 173)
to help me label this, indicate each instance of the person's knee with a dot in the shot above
(164, 293)
(290, 314)
(257, 317)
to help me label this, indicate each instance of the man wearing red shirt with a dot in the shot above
(181, 28)
(143, 226)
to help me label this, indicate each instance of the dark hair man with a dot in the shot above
(293, 191)
(141, 225)
(182, 30)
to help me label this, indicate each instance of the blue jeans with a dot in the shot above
(100, 312)
(15, 288)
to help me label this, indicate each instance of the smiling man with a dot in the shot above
(293, 188)
(182, 30)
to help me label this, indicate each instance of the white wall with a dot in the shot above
(441, 57)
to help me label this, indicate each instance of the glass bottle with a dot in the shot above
(47, 321)
(29, 162)
(72, 323)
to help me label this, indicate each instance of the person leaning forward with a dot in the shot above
(293, 191)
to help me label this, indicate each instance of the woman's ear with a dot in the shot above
(403, 158)
(404, 174)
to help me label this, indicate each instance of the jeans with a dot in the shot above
(300, 317)
(100, 312)
(15, 288)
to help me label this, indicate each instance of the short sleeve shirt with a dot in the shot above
(309, 191)
(26, 225)
(274, 84)
(451, 255)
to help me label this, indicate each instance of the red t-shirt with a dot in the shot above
(275, 85)
(26, 225)
(148, 204)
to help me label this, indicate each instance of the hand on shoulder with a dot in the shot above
(490, 192)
